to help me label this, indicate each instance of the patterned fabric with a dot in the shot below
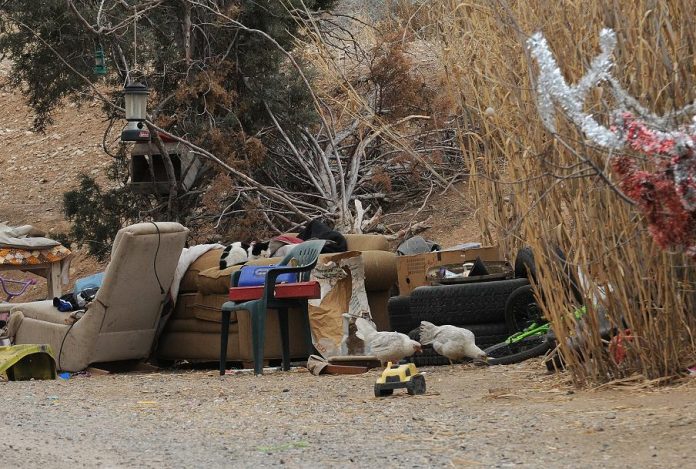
(14, 256)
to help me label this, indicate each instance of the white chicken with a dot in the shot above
(386, 346)
(452, 342)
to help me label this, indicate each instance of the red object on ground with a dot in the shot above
(298, 290)
(616, 345)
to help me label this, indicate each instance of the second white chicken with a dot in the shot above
(452, 342)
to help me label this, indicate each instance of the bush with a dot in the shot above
(97, 215)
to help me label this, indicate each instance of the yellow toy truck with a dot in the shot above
(400, 376)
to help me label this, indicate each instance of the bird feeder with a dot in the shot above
(99, 62)
(148, 174)
(136, 104)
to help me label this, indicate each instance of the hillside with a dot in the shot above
(38, 168)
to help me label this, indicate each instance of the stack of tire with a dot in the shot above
(480, 307)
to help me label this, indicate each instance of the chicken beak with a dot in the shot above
(419, 349)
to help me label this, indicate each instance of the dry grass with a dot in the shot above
(526, 185)
(515, 158)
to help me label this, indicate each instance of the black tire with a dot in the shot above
(507, 354)
(416, 385)
(380, 392)
(522, 310)
(428, 357)
(525, 267)
(399, 309)
(469, 303)
(490, 340)
(480, 331)
(554, 363)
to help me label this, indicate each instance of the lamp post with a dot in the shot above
(136, 104)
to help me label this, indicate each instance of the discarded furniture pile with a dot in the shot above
(341, 303)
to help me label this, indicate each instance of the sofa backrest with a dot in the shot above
(367, 242)
(363, 242)
(143, 261)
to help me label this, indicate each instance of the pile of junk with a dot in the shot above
(316, 297)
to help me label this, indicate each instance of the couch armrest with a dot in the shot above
(380, 270)
(42, 311)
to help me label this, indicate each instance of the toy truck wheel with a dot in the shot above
(381, 392)
(416, 385)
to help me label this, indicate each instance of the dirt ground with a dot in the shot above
(515, 416)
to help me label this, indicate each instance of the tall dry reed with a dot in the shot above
(555, 200)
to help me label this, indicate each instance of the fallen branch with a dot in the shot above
(410, 230)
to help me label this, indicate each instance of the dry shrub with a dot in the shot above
(397, 90)
(206, 90)
(216, 197)
(222, 142)
(512, 157)
(381, 179)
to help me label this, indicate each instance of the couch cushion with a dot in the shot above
(209, 308)
(195, 325)
(208, 260)
(363, 242)
(380, 270)
(198, 346)
(184, 306)
(216, 281)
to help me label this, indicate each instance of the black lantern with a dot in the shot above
(136, 104)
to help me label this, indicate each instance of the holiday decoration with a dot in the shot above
(666, 196)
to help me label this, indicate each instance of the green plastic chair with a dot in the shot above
(305, 256)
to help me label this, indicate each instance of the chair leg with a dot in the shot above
(258, 335)
(224, 335)
(308, 330)
(284, 337)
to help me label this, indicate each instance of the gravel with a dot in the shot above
(495, 417)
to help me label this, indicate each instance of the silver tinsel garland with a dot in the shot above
(661, 132)
(553, 90)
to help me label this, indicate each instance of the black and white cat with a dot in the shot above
(235, 253)
(258, 249)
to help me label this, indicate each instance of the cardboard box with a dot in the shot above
(412, 270)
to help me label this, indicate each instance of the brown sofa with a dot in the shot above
(193, 331)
